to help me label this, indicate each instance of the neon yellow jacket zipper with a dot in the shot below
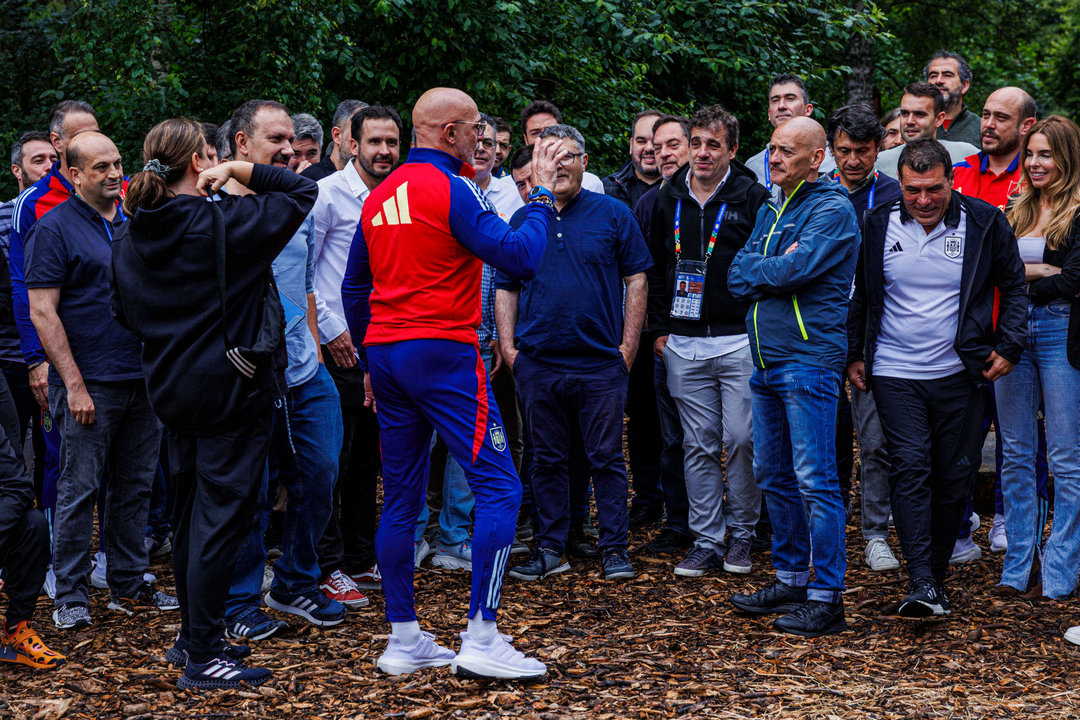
(765, 252)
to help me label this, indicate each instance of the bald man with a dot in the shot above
(97, 395)
(412, 293)
(796, 271)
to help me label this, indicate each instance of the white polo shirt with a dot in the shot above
(337, 215)
(922, 297)
(503, 194)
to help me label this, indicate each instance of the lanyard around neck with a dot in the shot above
(712, 236)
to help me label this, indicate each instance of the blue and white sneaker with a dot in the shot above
(253, 624)
(309, 604)
(401, 659)
(458, 557)
(220, 673)
(421, 549)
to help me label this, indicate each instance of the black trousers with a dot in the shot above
(24, 534)
(934, 439)
(348, 544)
(29, 416)
(217, 488)
(643, 438)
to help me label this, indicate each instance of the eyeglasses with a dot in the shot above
(569, 159)
(486, 142)
(479, 127)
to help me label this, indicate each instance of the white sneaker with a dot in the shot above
(879, 557)
(49, 587)
(398, 659)
(421, 550)
(267, 580)
(999, 541)
(498, 660)
(98, 573)
(965, 551)
(975, 522)
(1073, 634)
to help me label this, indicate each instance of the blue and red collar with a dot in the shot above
(442, 160)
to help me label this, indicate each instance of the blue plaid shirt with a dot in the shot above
(487, 332)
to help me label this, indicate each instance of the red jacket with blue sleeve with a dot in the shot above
(416, 260)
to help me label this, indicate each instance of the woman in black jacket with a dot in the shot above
(1047, 225)
(195, 285)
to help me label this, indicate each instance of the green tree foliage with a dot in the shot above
(601, 61)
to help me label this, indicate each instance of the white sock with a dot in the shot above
(407, 632)
(481, 630)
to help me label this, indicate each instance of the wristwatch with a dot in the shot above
(539, 193)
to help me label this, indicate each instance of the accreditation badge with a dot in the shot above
(689, 288)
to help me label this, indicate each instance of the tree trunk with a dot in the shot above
(860, 58)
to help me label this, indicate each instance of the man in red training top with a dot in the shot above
(412, 293)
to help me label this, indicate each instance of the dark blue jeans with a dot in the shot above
(672, 475)
(795, 466)
(554, 403)
(307, 437)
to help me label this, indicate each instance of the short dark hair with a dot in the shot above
(210, 133)
(925, 89)
(18, 147)
(789, 79)
(715, 116)
(1028, 108)
(537, 107)
(345, 110)
(923, 155)
(964, 70)
(684, 123)
(372, 112)
(858, 121)
(243, 119)
(522, 157)
(225, 141)
(648, 112)
(889, 117)
(64, 108)
(502, 126)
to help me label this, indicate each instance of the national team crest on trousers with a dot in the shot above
(498, 438)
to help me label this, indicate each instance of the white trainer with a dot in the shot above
(965, 551)
(49, 586)
(1073, 634)
(879, 557)
(99, 572)
(399, 659)
(999, 541)
(497, 660)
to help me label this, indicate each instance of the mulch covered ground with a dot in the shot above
(653, 647)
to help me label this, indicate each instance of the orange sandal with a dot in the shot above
(25, 647)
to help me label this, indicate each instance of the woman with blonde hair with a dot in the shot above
(1047, 225)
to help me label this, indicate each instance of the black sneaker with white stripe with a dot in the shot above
(178, 654)
(220, 673)
(309, 604)
(925, 598)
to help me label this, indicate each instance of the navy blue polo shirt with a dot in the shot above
(886, 192)
(570, 316)
(70, 248)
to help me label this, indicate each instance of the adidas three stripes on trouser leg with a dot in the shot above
(422, 385)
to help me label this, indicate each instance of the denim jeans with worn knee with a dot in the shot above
(1043, 373)
(794, 420)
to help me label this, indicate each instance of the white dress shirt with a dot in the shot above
(337, 215)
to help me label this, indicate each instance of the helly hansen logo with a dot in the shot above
(395, 210)
(896, 247)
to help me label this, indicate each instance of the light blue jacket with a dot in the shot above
(294, 273)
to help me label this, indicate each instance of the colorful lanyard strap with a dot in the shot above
(873, 188)
(712, 236)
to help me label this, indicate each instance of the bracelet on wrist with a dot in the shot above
(543, 200)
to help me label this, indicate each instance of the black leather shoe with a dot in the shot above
(644, 515)
(666, 542)
(813, 619)
(777, 598)
(578, 546)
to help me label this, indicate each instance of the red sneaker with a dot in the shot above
(339, 586)
(25, 647)
(369, 579)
